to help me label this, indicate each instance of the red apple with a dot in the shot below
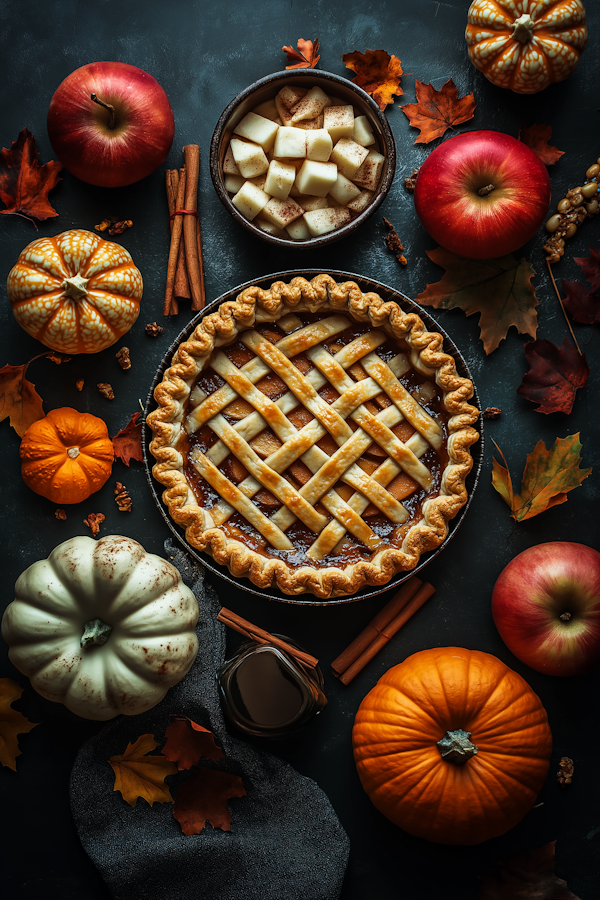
(546, 606)
(482, 194)
(110, 123)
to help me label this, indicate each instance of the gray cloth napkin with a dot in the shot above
(286, 841)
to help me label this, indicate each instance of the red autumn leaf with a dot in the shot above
(377, 73)
(19, 400)
(203, 798)
(555, 375)
(583, 302)
(128, 441)
(537, 137)
(529, 876)
(307, 54)
(590, 267)
(24, 184)
(187, 742)
(437, 111)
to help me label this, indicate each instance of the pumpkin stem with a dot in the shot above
(73, 452)
(523, 30)
(95, 632)
(107, 106)
(456, 747)
(75, 287)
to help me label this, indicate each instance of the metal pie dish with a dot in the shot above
(387, 294)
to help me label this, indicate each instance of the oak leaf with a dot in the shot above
(140, 775)
(203, 798)
(583, 302)
(24, 184)
(12, 723)
(500, 290)
(19, 400)
(529, 876)
(307, 54)
(187, 742)
(377, 73)
(537, 137)
(555, 375)
(590, 267)
(128, 441)
(549, 475)
(437, 111)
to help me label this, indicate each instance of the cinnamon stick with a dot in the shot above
(170, 306)
(237, 623)
(182, 286)
(191, 228)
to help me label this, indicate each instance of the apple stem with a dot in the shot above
(485, 191)
(107, 106)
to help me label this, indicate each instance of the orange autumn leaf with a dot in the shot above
(306, 56)
(377, 73)
(140, 775)
(203, 798)
(12, 723)
(187, 742)
(19, 400)
(128, 441)
(549, 475)
(24, 184)
(537, 137)
(500, 290)
(437, 111)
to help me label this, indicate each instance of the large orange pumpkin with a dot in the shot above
(66, 456)
(75, 292)
(526, 46)
(452, 746)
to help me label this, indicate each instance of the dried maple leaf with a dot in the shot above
(555, 375)
(437, 111)
(307, 54)
(590, 267)
(203, 798)
(12, 723)
(500, 290)
(529, 876)
(24, 184)
(582, 302)
(549, 475)
(19, 400)
(537, 137)
(187, 742)
(140, 775)
(128, 441)
(377, 73)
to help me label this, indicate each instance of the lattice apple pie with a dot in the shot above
(313, 438)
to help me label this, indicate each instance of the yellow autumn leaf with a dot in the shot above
(140, 775)
(12, 723)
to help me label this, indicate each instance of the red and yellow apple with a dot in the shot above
(546, 606)
(110, 123)
(482, 194)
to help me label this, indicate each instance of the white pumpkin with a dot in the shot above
(102, 626)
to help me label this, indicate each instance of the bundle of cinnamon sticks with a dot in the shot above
(185, 271)
(243, 626)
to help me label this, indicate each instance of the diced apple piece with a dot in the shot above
(370, 171)
(319, 145)
(229, 164)
(308, 203)
(360, 203)
(250, 158)
(250, 200)
(332, 203)
(298, 230)
(280, 179)
(311, 105)
(233, 183)
(316, 178)
(270, 228)
(322, 221)
(289, 142)
(343, 190)
(281, 212)
(257, 129)
(363, 133)
(348, 156)
(311, 124)
(339, 122)
(259, 181)
(285, 100)
(268, 110)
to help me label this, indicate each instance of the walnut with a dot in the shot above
(153, 330)
(60, 514)
(106, 390)
(491, 412)
(122, 498)
(79, 384)
(410, 183)
(394, 243)
(566, 768)
(123, 358)
(94, 521)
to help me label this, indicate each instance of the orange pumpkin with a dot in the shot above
(66, 456)
(526, 46)
(75, 292)
(452, 746)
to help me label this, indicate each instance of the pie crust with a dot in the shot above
(331, 375)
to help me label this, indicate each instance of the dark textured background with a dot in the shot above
(203, 54)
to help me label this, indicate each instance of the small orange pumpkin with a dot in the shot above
(75, 292)
(526, 46)
(452, 746)
(66, 456)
